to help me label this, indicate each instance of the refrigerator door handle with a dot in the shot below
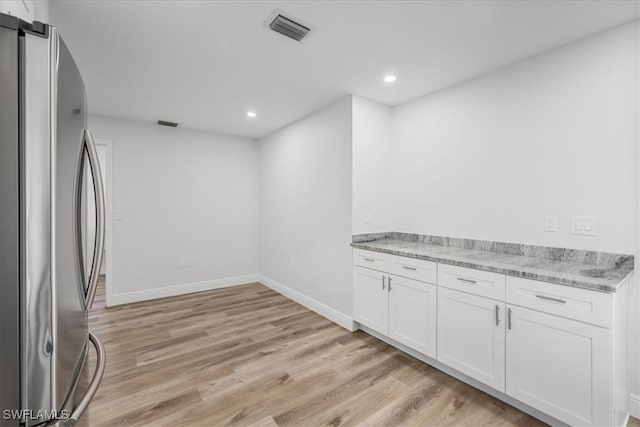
(98, 249)
(93, 385)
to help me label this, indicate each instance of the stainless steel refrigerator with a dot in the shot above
(48, 163)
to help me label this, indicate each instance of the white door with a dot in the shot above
(471, 336)
(412, 314)
(559, 366)
(370, 299)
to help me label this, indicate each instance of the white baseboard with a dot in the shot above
(182, 289)
(188, 288)
(312, 304)
(634, 405)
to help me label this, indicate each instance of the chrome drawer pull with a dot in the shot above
(462, 279)
(383, 287)
(509, 324)
(561, 301)
(370, 259)
(406, 267)
(497, 315)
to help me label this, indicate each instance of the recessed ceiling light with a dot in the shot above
(390, 78)
(251, 114)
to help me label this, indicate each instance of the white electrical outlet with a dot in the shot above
(551, 223)
(584, 225)
(293, 266)
(183, 262)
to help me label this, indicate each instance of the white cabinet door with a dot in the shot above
(471, 336)
(412, 314)
(370, 299)
(559, 366)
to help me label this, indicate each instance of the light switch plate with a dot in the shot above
(551, 223)
(584, 225)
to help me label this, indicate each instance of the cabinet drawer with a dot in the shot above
(417, 269)
(573, 303)
(370, 259)
(478, 282)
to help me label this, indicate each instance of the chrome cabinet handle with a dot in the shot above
(95, 381)
(462, 279)
(561, 301)
(389, 282)
(383, 286)
(406, 267)
(497, 315)
(509, 324)
(369, 259)
(98, 188)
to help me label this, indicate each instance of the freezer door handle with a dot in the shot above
(95, 382)
(98, 249)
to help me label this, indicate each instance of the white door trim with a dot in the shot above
(108, 243)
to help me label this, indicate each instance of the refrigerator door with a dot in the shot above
(37, 316)
(58, 166)
(70, 281)
(76, 261)
(9, 225)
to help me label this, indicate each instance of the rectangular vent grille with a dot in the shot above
(166, 123)
(289, 28)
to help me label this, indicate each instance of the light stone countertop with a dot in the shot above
(610, 269)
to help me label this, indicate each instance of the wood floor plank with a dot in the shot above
(247, 356)
(355, 410)
(265, 422)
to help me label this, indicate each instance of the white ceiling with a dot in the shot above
(204, 63)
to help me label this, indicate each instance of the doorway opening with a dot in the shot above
(102, 296)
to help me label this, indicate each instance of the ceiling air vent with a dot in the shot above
(289, 28)
(166, 123)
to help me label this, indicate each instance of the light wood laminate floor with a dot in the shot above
(248, 356)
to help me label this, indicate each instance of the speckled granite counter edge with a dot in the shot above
(600, 259)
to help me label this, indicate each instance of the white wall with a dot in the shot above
(305, 207)
(41, 10)
(371, 151)
(29, 10)
(181, 194)
(556, 134)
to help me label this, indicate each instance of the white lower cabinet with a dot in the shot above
(412, 314)
(370, 299)
(471, 336)
(559, 366)
(560, 350)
